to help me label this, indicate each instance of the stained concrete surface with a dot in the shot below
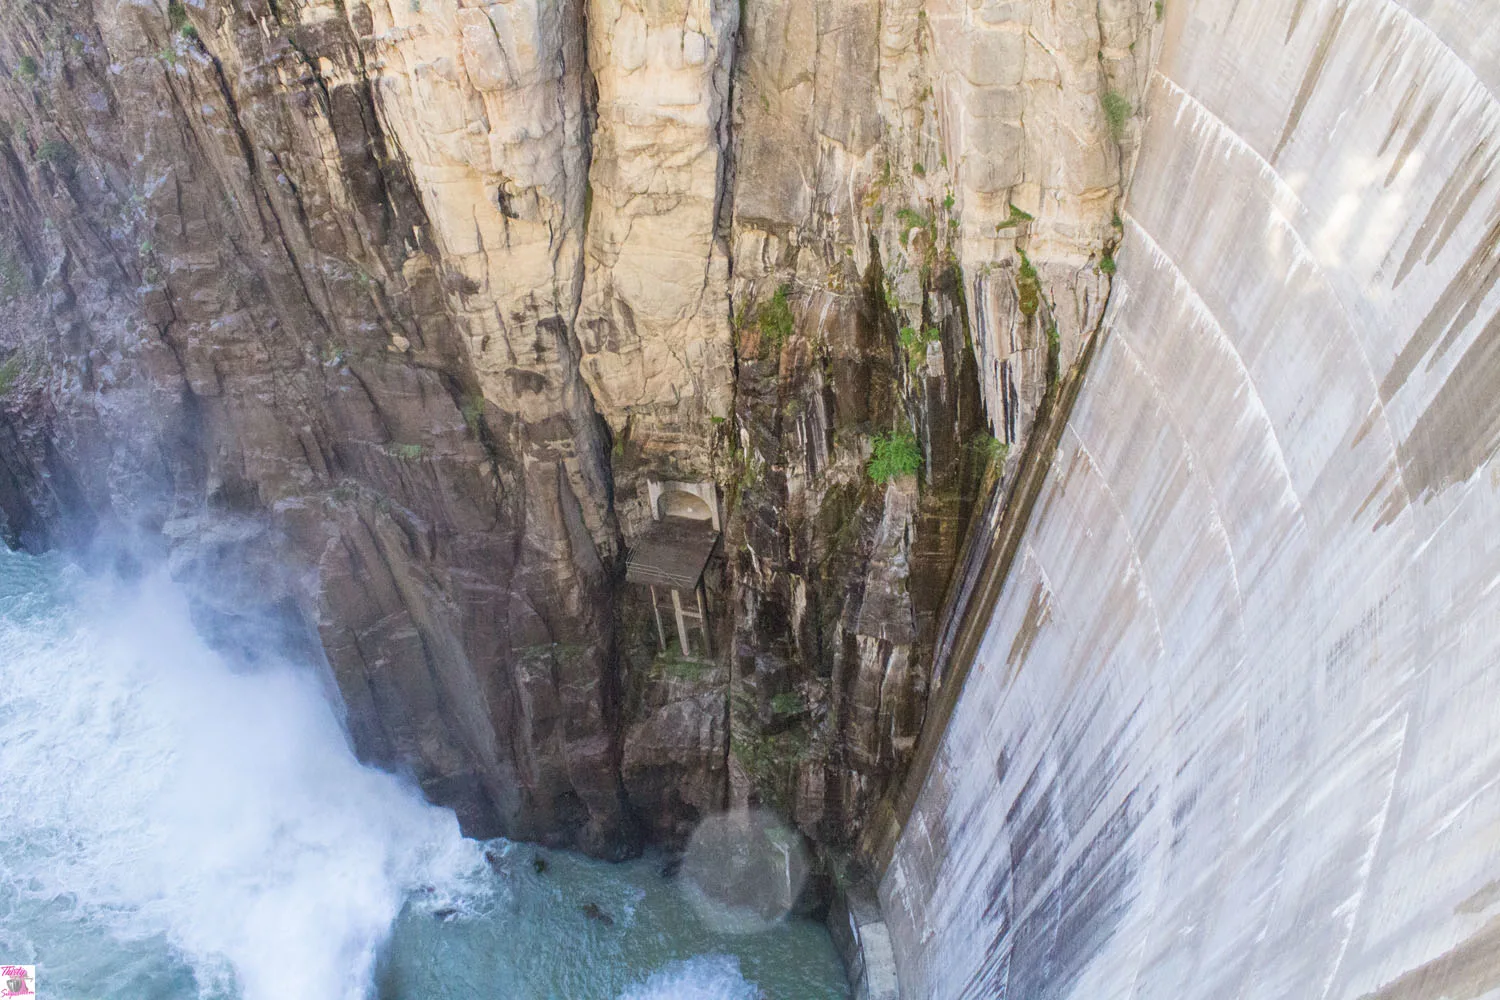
(1232, 731)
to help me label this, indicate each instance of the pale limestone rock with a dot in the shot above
(654, 317)
(590, 209)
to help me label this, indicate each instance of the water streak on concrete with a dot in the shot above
(1231, 731)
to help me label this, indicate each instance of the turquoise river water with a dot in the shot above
(176, 823)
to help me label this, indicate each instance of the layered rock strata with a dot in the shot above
(391, 312)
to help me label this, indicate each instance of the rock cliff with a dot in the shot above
(387, 315)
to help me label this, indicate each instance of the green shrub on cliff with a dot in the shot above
(671, 663)
(178, 19)
(1054, 354)
(1117, 112)
(774, 318)
(1028, 287)
(9, 372)
(1017, 216)
(911, 219)
(12, 278)
(771, 761)
(988, 449)
(58, 153)
(895, 454)
(409, 452)
(27, 69)
(473, 410)
(787, 703)
(915, 343)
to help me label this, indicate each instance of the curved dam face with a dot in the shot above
(1232, 730)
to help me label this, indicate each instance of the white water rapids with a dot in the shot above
(176, 825)
(162, 794)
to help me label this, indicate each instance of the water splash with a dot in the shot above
(179, 823)
(708, 977)
(152, 791)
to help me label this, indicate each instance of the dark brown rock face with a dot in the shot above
(392, 313)
(837, 578)
(224, 306)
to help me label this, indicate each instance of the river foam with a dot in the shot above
(153, 790)
(707, 977)
(190, 823)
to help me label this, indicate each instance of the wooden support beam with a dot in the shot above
(661, 633)
(682, 635)
(708, 645)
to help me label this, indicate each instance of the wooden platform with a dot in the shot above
(672, 553)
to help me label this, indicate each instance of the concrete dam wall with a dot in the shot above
(1233, 730)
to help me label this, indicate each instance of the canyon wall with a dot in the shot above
(1230, 728)
(379, 318)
